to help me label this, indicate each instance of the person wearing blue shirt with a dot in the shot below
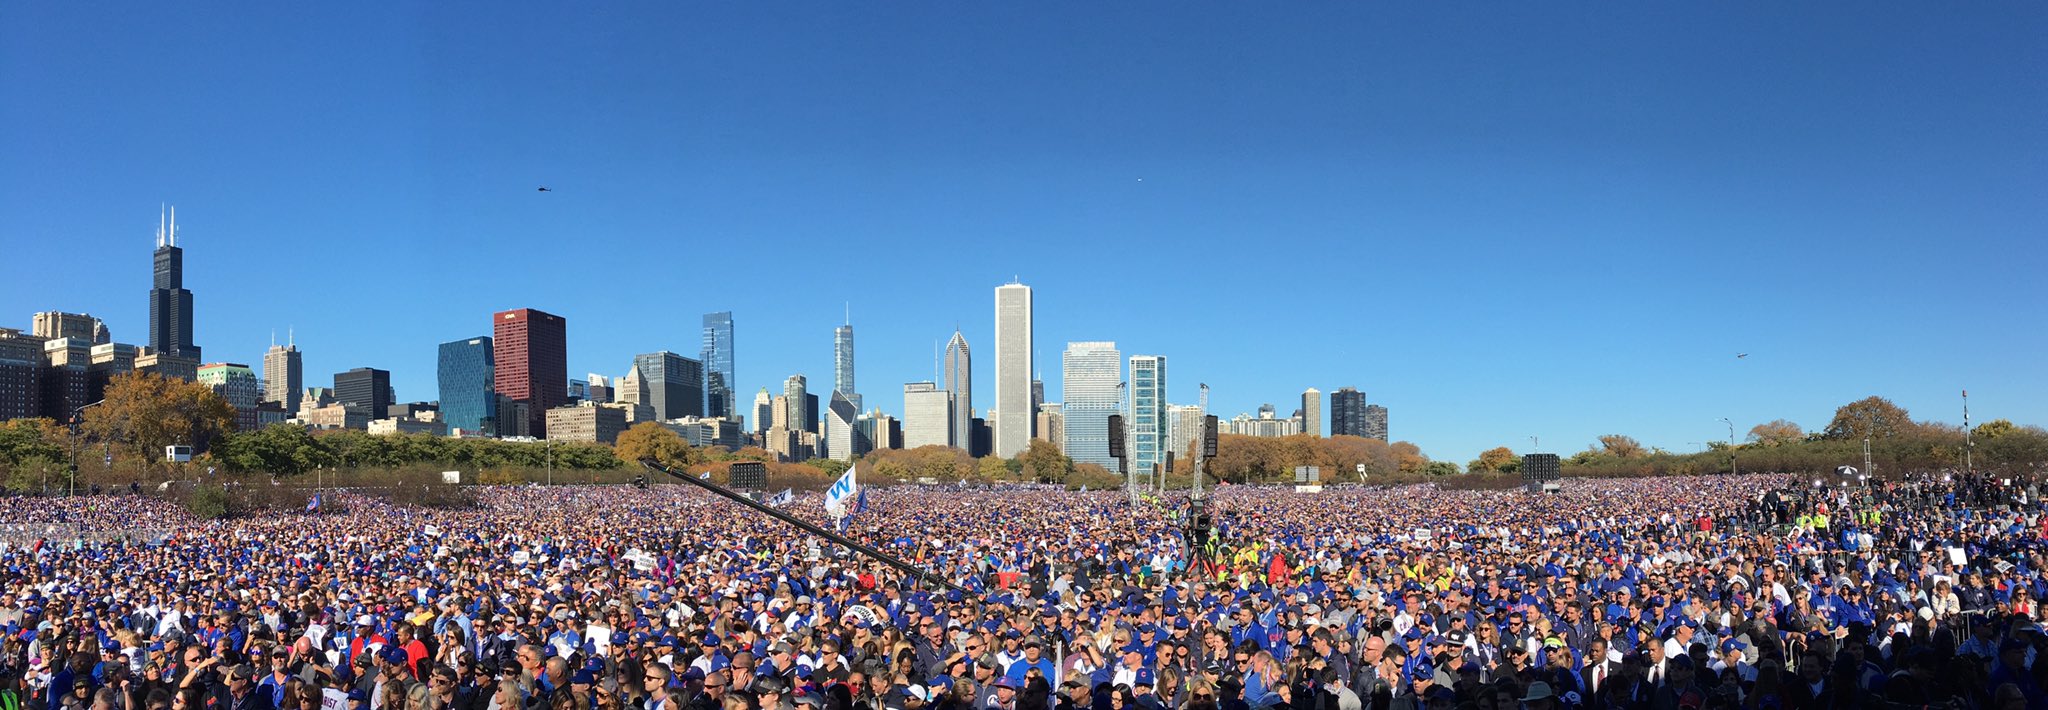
(1034, 657)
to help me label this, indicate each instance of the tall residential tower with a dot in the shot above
(718, 372)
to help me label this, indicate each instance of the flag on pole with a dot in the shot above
(860, 505)
(842, 489)
(705, 476)
(781, 499)
(313, 504)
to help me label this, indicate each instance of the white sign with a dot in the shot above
(451, 477)
(331, 699)
(521, 557)
(432, 530)
(1956, 556)
(1423, 533)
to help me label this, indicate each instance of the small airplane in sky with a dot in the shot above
(1738, 356)
(545, 189)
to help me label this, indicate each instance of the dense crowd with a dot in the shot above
(1729, 592)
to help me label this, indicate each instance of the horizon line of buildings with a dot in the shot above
(514, 383)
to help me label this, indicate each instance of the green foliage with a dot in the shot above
(280, 449)
(205, 501)
(651, 440)
(1043, 462)
(1095, 477)
(829, 468)
(1440, 469)
(1498, 458)
(22, 439)
(289, 450)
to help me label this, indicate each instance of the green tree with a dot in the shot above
(992, 468)
(33, 438)
(1993, 429)
(1870, 417)
(831, 468)
(1440, 468)
(1044, 463)
(279, 449)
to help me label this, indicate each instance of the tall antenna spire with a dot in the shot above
(849, 313)
(174, 227)
(160, 223)
(273, 337)
(288, 341)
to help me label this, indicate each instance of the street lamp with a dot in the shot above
(77, 420)
(551, 462)
(1731, 446)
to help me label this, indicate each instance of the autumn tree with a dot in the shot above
(1495, 459)
(1621, 446)
(651, 440)
(1776, 432)
(145, 412)
(1043, 462)
(1870, 417)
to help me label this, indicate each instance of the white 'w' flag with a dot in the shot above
(842, 491)
(781, 499)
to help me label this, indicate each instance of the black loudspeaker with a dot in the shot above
(749, 475)
(1541, 468)
(1169, 462)
(1209, 435)
(1116, 436)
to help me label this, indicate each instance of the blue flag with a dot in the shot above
(313, 504)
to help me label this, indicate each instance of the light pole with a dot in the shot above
(1969, 447)
(551, 462)
(1731, 446)
(77, 420)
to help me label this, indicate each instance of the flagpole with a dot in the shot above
(872, 553)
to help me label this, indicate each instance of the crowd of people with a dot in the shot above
(1755, 591)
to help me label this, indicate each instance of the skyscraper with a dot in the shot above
(842, 365)
(283, 375)
(1375, 422)
(927, 415)
(170, 305)
(530, 363)
(718, 366)
(1037, 399)
(1184, 423)
(469, 398)
(764, 410)
(1312, 412)
(1347, 412)
(795, 395)
(842, 439)
(366, 387)
(960, 382)
(674, 384)
(1013, 370)
(1089, 374)
(1145, 429)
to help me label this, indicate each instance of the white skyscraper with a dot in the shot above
(842, 437)
(959, 382)
(1184, 428)
(927, 415)
(1089, 374)
(1013, 371)
(1312, 412)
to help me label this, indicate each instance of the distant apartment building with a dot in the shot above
(1347, 412)
(586, 422)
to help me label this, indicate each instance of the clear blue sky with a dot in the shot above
(1499, 220)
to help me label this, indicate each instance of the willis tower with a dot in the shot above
(170, 305)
